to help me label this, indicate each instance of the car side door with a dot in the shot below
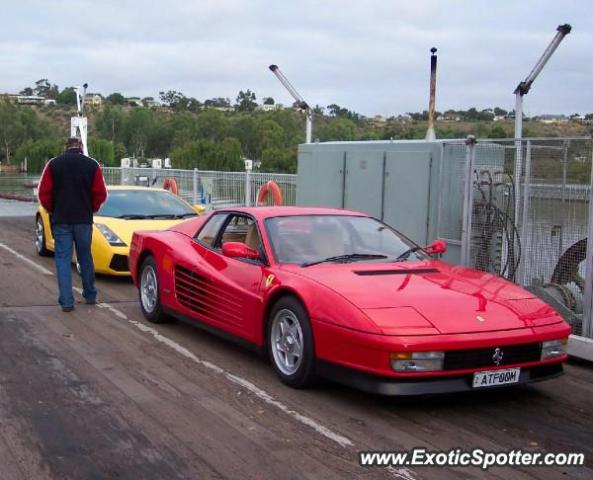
(239, 280)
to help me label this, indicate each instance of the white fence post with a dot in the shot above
(523, 273)
(466, 228)
(248, 167)
(195, 186)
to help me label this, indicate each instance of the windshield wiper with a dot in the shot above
(133, 216)
(344, 258)
(184, 215)
(407, 253)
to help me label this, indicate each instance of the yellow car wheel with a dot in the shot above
(40, 241)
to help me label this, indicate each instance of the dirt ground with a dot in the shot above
(101, 394)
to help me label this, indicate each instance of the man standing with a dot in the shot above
(71, 189)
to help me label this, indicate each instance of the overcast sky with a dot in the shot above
(369, 56)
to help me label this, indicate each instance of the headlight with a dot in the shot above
(554, 348)
(111, 237)
(417, 361)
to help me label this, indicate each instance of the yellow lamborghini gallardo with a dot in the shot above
(126, 210)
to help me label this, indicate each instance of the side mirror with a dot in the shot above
(437, 247)
(199, 209)
(239, 250)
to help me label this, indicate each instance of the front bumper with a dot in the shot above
(427, 385)
(362, 359)
(110, 260)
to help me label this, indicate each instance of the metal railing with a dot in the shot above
(210, 188)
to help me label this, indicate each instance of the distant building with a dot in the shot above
(93, 99)
(551, 118)
(378, 121)
(450, 116)
(49, 101)
(268, 108)
(30, 100)
(151, 103)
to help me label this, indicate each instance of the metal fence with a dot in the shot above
(525, 213)
(210, 188)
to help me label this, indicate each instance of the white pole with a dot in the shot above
(247, 188)
(467, 203)
(518, 153)
(524, 217)
(195, 186)
(309, 126)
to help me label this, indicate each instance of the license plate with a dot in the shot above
(492, 378)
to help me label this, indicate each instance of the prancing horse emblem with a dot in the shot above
(497, 357)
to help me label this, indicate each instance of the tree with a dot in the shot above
(270, 135)
(337, 111)
(499, 112)
(218, 102)
(269, 101)
(28, 91)
(246, 101)
(498, 132)
(37, 152)
(110, 123)
(177, 100)
(116, 99)
(102, 151)
(12, 130)
(211, 124)
(229, 155)
(44, 88)
(67, 96)
(138, 128)
(338, 129)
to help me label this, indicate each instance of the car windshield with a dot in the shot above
(311, 239)
(145, 204)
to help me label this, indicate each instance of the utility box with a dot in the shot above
(389, 180)
(416, 186)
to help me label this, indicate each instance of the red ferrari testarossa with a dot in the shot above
(338, 294)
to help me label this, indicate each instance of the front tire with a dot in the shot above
(40, 240)
(290, 343)
(149, 292)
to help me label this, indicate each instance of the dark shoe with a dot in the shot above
(67, 308)
(90, 301)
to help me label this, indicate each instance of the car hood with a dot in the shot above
(451, 299)
(124, 229)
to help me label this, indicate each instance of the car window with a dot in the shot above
(241, 229)
(145, 203)
(308, 238)
(209, 231)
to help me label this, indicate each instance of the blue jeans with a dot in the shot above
(65, 236)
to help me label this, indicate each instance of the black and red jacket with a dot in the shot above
(72, 188)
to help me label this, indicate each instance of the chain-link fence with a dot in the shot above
(526, 215)
(210, 188)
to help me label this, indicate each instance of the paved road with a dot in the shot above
(101, 394)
